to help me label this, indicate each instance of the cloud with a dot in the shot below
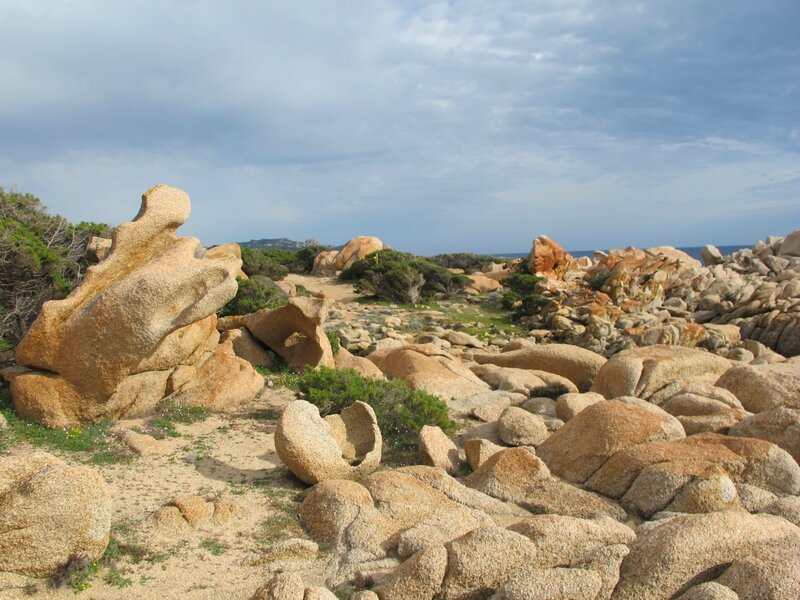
(439, 126)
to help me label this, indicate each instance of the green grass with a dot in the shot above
(79, 573)
(215, 547)
(168, 415)
(95, 442)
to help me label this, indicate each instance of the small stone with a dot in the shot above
(438, 450)
(478, 451)
(518, 427)
(569, 405)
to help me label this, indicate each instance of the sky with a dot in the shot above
(437, 126)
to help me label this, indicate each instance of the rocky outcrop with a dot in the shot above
(670, 558)
(294, 332)
(139, 328)
(762, 387)
(576, 364)
(343, 446)
(425, 367)
(642, 372)
(325, 263)
(660, 295)
(547, 257)
(594, 435)
(50, 514)
(227, 251)
(357, 249)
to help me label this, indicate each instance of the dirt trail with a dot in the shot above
(330, 286)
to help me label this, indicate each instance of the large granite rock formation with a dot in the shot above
(139, 328)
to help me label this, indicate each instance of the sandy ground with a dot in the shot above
(228, 455)
(331, 287)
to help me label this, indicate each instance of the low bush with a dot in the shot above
(401, 411)
(521, 296)
(402, 277)
(41, 258)
(470, 263)
(276, 263)
(252, 296)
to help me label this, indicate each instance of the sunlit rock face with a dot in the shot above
(139, 328)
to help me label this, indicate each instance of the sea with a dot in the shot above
(693, 251)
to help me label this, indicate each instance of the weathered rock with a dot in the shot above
(50, 513)
(530, 583)
(3, 422)
(425, 367)
(711, 255)
(483, 284)
(525, 381)
(548, 257)
(344, 446)
(420, 576)
(570, 541)
(788, 508)
(97, 249)
(107, 350)
(762, 387)
(440, 528)
(357, 249)
(576, 364)
(291, 549)
(294, 331)
(345, 360)
(778, 425)
(482, 560)
(227, 251)
(518, 427)
(245, 346)
(341, 514)
(283, 586)
(569, 405)
(790, 245)
(770, 571)
(325, 263)
(479, 450)
(518, 475)
(668, 559)
(438, 450)
(709, 591)
(701, 407)
(642, 372)
(648, 476)
(589, 439)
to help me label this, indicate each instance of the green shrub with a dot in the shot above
(95, 441)
(333, 338)
(42, 258)
(402, 277)
(521, 296)
(401, 411)
(252, 296)
(269, 262)
(470, 263)
(304, 259)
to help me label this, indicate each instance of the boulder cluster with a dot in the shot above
(646, 453)
(633, 297)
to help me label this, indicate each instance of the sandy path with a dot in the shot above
(330, 286)
(230, 455)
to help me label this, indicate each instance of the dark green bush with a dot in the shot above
(42, 258)
(333, 338)
(252, 296)
(304, 259)
(402, 277)
(268, 262)
(401, 411)
(470, 263)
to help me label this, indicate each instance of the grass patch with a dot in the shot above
(79, 572)
(95, 441)
(168, 415)
(213, 546)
